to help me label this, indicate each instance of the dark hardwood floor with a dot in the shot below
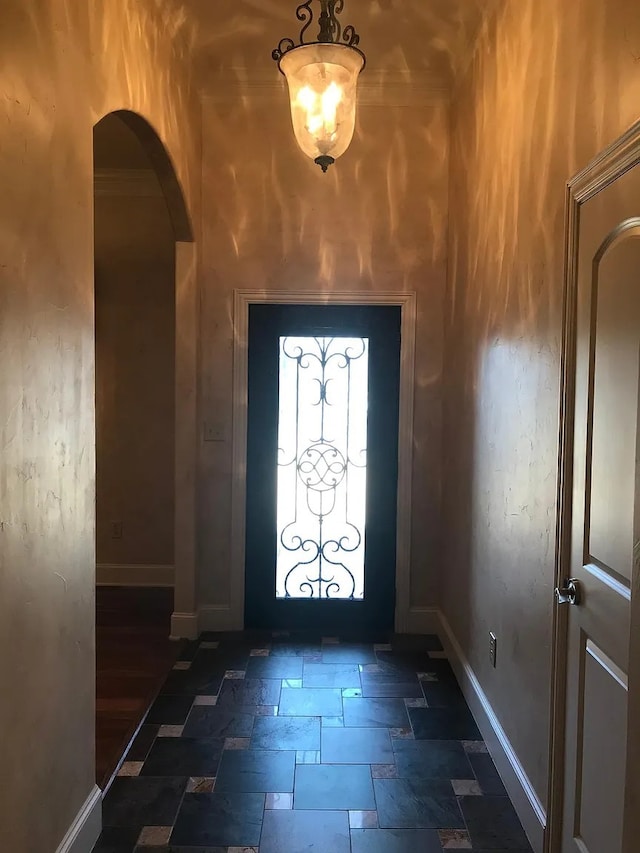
(133, 656)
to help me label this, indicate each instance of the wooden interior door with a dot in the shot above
(600, 753)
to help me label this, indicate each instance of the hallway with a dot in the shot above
(133, 656)
(283, 744)
(155, 191)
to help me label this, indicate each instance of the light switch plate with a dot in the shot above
(214, 431)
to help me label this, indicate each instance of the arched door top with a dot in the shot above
(163, 166)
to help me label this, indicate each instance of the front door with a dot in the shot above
(600, 759)
(322, 464)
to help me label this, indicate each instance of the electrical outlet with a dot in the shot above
(116, 530)
(493, 647)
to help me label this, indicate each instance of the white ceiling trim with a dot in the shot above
(401, 89)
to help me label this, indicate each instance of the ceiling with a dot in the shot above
(422, 41)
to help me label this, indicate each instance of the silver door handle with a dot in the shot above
(569, 592)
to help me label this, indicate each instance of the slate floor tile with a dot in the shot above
(183, 756)
(286, 733)
(455, 723)
(142, 743)
(226, 656)
(218, 722)
(493, 823)
(256, 771)
(189, 649)
(386, 684)
(116, 840)
(441, 668)
(359, 819)
(192, 683)
(179, 848)
(274, 667)
(356, 746)
(348, 653)
(169, 710)
(249, 692)
(395, 841)
(155, 836)
(222, 819)
(333, 787)
(487, 775)
(427, 804)
(404, 662)
(315, 738)
(295, 650)
(454, 839)
(279, 801)
(310, 702)
(330, 675)
(384, 771)
(138, 801)
(299, 831)
(437, 759)
(365, 713)
(442, 694)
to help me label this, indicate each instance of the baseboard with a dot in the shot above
(85, 829)
(184, 626)
(526, 802)
(419, 620)
(121, 574)
(218, 617)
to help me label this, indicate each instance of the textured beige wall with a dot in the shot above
(135, 333)
(375, 222)
(552, 83)
(64, 65)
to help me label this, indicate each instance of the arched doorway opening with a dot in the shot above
(142, 459)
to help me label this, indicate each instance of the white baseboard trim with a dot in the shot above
(526, 802)
(122, 574)
(419, 620)
(184, 626)
(219, 617)
(85, 829)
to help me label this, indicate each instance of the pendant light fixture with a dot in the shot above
(322, 77)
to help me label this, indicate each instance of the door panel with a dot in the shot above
(322, 455)
(604, 529)
(615, 403)
(602, 755)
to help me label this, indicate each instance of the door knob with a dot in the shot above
(569, 592)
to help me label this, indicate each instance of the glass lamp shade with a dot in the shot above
(322, 80)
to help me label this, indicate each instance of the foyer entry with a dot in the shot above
(322, 466)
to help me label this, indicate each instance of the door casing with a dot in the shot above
(617, 159)
(407, 303)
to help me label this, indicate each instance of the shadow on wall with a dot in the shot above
(550, 86)
(139, 213)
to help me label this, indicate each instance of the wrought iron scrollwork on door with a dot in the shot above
(322, 467)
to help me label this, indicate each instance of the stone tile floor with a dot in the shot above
(278, 743)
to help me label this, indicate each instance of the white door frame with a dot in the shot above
(184, 621)
(617, 159)
(242, 300)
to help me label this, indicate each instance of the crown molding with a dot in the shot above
(375, 89)
(139, 183)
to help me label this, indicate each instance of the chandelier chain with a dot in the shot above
(330, 29)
